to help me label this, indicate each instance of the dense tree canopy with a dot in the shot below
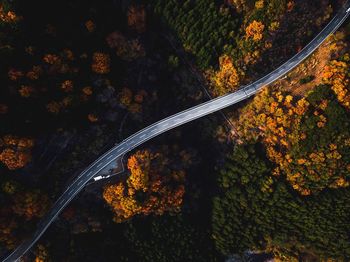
(307, 138)
(170, 238)
(155, 185)
(204, 29)
(255, 210)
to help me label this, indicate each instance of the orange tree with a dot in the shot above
(336, 74)
(15, 152)
(255, 210)
(226, 79)
(155, 185)
(19, 206)
(30, 204)
(9, 21)
(307, 138)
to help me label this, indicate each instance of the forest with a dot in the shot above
(266, 179)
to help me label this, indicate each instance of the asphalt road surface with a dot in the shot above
(171, 122)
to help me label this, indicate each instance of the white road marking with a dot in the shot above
(266, 81)
(143, 136)
(120, 149)
(81, 181)
(111, 156)
(99, 165)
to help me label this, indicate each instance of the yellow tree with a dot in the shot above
(226, 79)
(151, 188)
(255, 30)
(336, 74)
(294, 134)
(240, 5)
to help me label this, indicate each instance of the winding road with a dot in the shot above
(171, 122)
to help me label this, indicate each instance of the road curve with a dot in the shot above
(171, 122)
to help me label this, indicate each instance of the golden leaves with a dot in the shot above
(15, 152)
(336, 75)
(255, 30)
(226, 79)
(9, 16)
(100, 63)
(161, 193)
(279, 117)
(259, 4)
(289, 98)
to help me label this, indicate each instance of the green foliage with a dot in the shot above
(173, 61)
(203, 29)
(332, 164)
(169, 238)
(306, 79)
(337, 120)
(257, 211)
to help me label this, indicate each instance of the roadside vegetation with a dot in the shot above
(273, 180)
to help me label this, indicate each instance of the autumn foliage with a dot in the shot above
(336, 74)
(30, 204)
(255, 30)
(137, 18)
(15, 152)
(7, 226)
(155, 186)
(128, 50)
(8, 16)
(100, 63)
(226, 79)
(305, 137)
(132, 101)
(239, 5)
(53, 80)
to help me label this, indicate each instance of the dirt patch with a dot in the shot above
(309, 73)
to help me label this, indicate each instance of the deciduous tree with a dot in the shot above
(155, 186)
